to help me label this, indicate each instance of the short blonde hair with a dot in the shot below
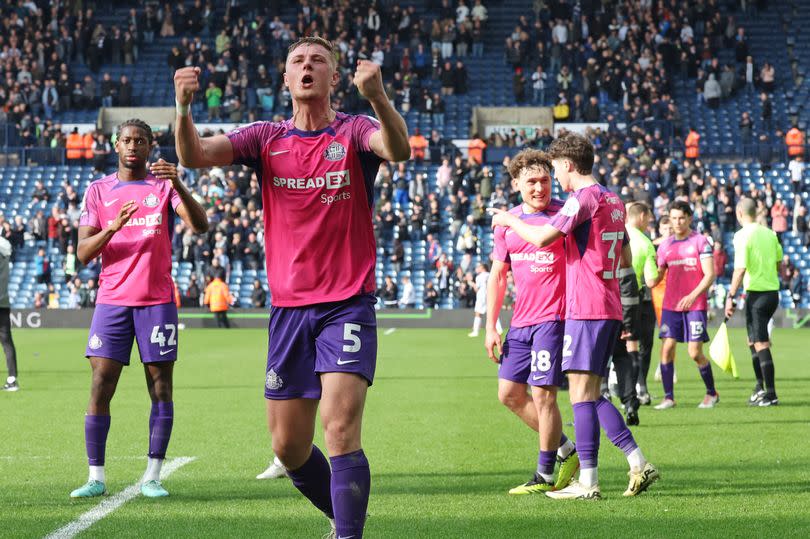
(314, 40)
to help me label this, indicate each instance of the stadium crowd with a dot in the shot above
(574, 56)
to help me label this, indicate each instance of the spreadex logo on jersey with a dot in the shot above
(690, 263)
(538, 257)
(330, 180)
(151, 220)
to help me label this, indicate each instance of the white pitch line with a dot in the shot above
(389, 331)
(63, 457)
(112, 503)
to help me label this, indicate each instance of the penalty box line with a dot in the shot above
(112, 503)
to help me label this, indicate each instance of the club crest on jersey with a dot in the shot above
(95, 342)
(335, 152)
(273, 380)
(151, 200)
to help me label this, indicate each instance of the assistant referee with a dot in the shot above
(757, 254)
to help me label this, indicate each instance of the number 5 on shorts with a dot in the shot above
(349, 334)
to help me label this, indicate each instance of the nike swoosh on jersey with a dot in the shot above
(278, 152)
(341, 362)
(164, 352)
(536, 377)
(109, 203)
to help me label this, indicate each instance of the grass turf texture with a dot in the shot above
(443, 450)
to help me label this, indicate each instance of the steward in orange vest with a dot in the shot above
(218, 298)
(692, 144)
(794, 140)
(87, 144)
(74, 145)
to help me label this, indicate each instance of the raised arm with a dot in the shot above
(189, 210)
(391, 141)
(192, 150)
(539, 236)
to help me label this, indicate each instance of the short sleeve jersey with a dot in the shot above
(644, 257)
(593, 221)
(136, 264)
(757, 249)
(317, 192)
(539, 273)
(682, 259)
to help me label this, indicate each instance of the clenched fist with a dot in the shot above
(368, 80)
(186, 82)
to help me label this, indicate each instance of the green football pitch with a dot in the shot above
(443, 450)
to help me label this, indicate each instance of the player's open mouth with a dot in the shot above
(307, 81)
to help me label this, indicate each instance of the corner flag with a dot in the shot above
(720, 351)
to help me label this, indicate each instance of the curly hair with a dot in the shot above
(576, 148)
(528, 159)
(140, 124)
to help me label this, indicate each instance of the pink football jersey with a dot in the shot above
(317, 192)
(593, 221)
(539, 273)
(682, 259)
(136, 264)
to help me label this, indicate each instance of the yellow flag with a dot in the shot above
(720, 352)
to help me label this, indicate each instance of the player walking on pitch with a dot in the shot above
(757, 254)
(532, 352)
(317, 172)
(688, 260)
(592, 219)
(127, 218)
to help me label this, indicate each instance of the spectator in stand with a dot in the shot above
(258, 297)
(796, 287)
(767, 77)
(712, 92)
(42, 267)
(430, 298)
(796, 168)
(388, 292)
(786, 269)
(767, 110)
(779, 217)
(124, 92)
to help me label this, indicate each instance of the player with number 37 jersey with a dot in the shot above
(593, 220)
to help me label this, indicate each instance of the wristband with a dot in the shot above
(182, 110)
